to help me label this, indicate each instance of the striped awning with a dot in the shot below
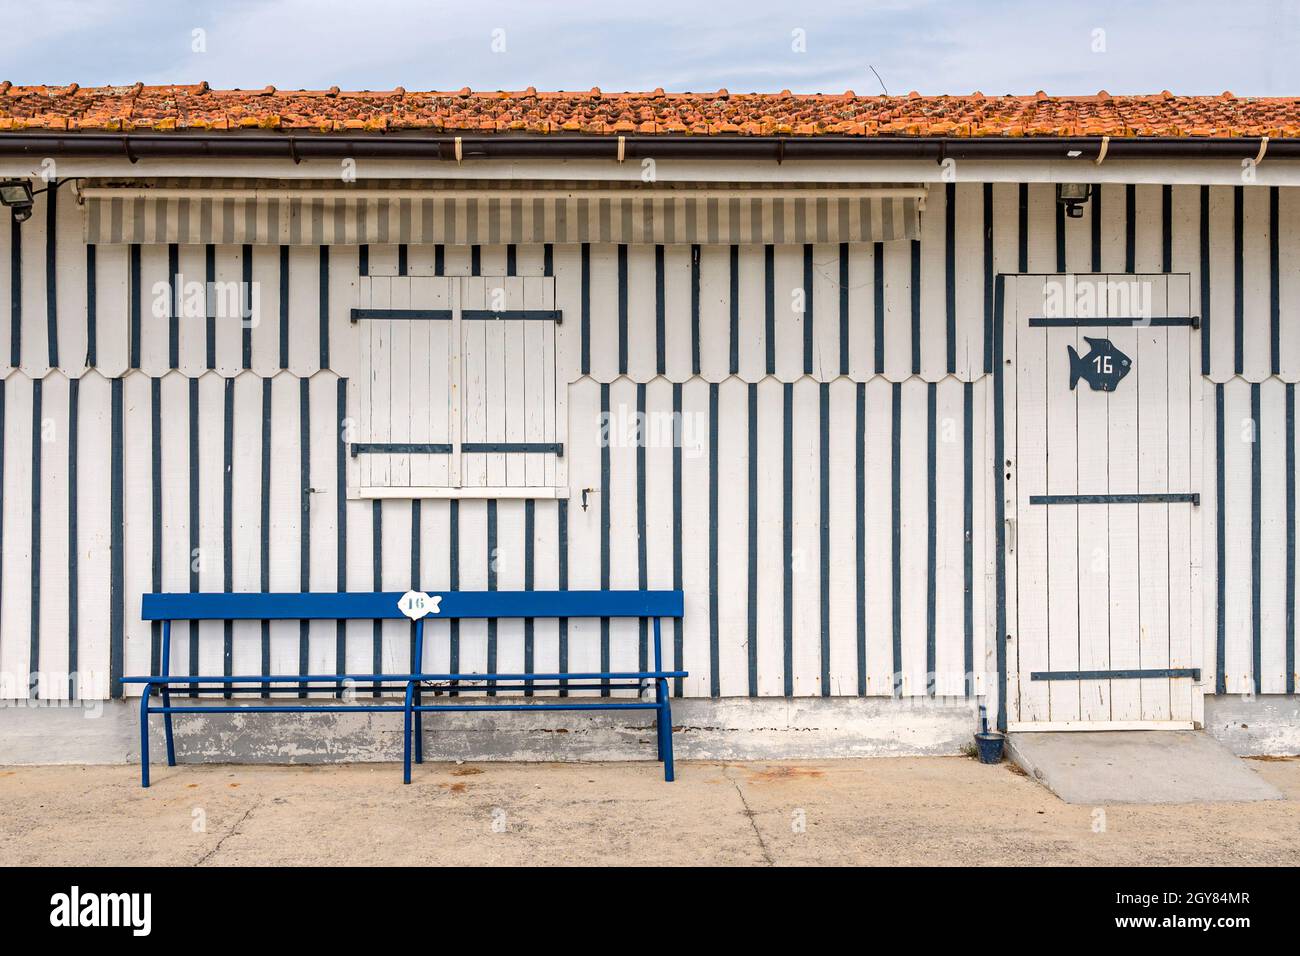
(464, 213)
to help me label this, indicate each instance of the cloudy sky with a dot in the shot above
(933, 46)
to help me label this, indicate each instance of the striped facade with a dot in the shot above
(829, 510)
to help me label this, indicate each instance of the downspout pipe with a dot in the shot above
(136, 146)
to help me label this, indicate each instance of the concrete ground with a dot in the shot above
(894, 811)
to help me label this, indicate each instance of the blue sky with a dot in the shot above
(933, 46)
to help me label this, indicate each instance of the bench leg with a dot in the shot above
(665, 721)
(419, 729)
(406, 734)
(144, 735)
(167, 729)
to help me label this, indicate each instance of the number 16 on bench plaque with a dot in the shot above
(416, 604)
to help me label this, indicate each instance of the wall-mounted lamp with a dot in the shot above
(1072, 196)
(16, 194)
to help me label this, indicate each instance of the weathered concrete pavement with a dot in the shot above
(897, 811)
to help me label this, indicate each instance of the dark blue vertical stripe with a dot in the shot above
(808, 317)
(695, 309)
(642, 558)
(1238, 281)
(228, 520)
(1255, 535)
(1220, 548)
(715, 676)
(896, 521)
(210, 302)
(492, 538)
(92, 321)
(824, 527)
(661, 324)
(156, 493)
(476, 260)
(586, 307)
(844, 308)
(117, 578)
(1274, 283)
(325, 307)
(246, 302)
(988, 282)
(769, 308)
(284, 307)
(562, 557)
(403, 261)
(604, 535)
(950, 276)
(878, 302)
(1022, 227)
(16, 292)
(453, 538)
(860, 523)
(440, 260)
(363, 259)
(34, 661)
(1205, 280)
(931, 538)
(74, 562)
(1130, 228)
(530, 535)
(548, 259)
(196, 555)
(622, 309)
(733, 300)
(175, 294)
(751, 623)
(1060, 237)
(1167, 228)
(136, 293)
(304, 515)
(416, 507)
(677, 527)
(916, 306)
(968, 530)
(265, 555)
(787, 537)
(376, 577)
(1096, 227)
(341, 518)
(51, 271)
(1290, 537)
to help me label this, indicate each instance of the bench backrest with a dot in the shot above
(383, 605)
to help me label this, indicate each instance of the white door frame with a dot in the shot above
(1006, 503)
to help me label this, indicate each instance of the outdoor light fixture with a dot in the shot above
(17, 195)
(1072, 196)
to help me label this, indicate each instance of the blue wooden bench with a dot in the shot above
(384, 605)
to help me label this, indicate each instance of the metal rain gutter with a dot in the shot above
(451, 148)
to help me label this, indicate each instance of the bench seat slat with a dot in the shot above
(370, 678)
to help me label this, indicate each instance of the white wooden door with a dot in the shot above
(1102, 502)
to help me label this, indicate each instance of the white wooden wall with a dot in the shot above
(881, 418)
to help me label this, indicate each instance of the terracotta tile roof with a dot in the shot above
(163, 108)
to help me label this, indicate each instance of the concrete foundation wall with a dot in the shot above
(1268, 725)
(714, 729)
(108, 732)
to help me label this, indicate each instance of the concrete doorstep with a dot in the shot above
(1135, 766)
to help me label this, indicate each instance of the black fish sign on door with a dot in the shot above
(1102, 368)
